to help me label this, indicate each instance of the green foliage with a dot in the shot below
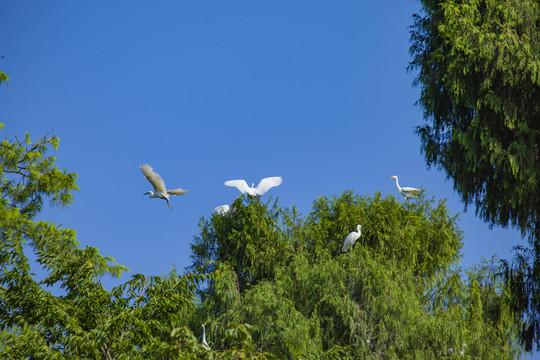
(236, 336)
(134, 320)
(3, 77)
(277, 284)
(393, 296)
(478, 68)
(415, 235)
(248, 238)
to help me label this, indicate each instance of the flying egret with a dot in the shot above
(159, 185)
(222, 209)
(408, 192)
(351, 239)
(265, 185)
(204, 343)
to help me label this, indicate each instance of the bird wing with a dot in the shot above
(177, 191)
(154, 178)
(409, 189)
(347, 244)
(222, 209)
(268, 183)
(350, 240)
(239, 184)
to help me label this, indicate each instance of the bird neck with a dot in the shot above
(397, 184)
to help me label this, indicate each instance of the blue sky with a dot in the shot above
(207, 91)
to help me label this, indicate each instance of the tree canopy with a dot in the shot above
(397, 294)
(135, 320)
(267, 282)
(478, 66)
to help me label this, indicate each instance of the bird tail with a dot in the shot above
(177, 191)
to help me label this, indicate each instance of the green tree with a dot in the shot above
(132, 321)
(248, 238)
(144, 318)
(394, 295)
(478, 68)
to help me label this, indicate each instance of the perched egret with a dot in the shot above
(408, 192)
(159, 185)
(351, 239)
(204, 343)
(222, 209)
(265, 185)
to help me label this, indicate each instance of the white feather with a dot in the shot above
(261, 189)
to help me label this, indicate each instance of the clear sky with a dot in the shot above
(207, 91)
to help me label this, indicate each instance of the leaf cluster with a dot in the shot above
(478, 66)
(134, 320)
(395, 295)
(271, 282)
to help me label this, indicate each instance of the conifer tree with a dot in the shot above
(397, 294)
(478, 66)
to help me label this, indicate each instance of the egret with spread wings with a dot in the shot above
(265, 185)
(160, 191)
(222, 209)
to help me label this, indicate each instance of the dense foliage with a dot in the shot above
(279, 286)
(478, 68)
(479, 71)
(135, 320)
(395, 295)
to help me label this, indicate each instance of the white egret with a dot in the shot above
(159, 185)
(222, 209)
(408, 192)
(265, 185)
(204, 343)
(351, 239)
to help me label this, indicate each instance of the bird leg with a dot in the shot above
(169, 205)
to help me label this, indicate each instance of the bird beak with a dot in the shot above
(146, 193)
(389, 177)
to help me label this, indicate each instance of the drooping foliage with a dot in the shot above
(278, 284)
(134, 320)
(478, 66)
(395, 295)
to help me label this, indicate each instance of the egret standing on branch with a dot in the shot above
(159, 185)
(351, 239)
(408, 192)
(265, 185)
